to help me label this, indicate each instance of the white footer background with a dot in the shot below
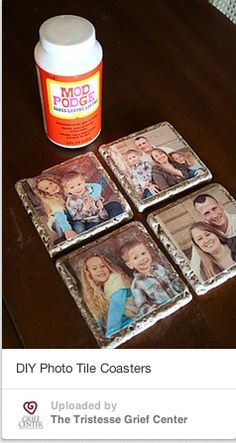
(197, 384)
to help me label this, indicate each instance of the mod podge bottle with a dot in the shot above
(69, 66)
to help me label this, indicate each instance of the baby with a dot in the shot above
(140, 174)
(84, 202)
(153, 285)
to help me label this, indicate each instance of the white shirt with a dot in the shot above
(231, 230)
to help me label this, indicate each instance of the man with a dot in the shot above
(145, 147)
(212, 212)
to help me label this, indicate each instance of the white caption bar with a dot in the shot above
(118, 394)
(124, 414)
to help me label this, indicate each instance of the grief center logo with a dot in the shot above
(30, 421)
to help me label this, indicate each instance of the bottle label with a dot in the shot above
(71, 106)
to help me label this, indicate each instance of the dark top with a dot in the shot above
(165, 179)
(231, 242)
(135, 95)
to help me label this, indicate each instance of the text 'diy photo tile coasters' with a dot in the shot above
(72, 201)
(122, 284)
(199, 233)
(154, 164)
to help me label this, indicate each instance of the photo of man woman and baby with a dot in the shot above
(72, 198)
(123, 279)
(154, 161)
(204, 227)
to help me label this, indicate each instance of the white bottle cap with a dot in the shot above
(65, 34)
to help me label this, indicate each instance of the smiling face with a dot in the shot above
(213, 213)
(48, 186)
(159, 156)
(75, 186)
(132, 158)
(98, 270)
(179, 158)
(140, 259)
(143, 144)
(206, 241)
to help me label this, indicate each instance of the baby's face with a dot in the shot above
(139, 258)
(75, 186)
(132, 158)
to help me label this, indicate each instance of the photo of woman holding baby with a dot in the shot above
(216, 251)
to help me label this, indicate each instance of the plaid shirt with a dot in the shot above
(79, 211)
(140, 174)
(155, 289)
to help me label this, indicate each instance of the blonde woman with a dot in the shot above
(50, 192)
(216, 251)
(106, 291)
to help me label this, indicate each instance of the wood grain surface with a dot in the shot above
(168, 60)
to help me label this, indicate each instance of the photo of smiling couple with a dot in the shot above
(123, 279)
(204, 226)
(214, 237)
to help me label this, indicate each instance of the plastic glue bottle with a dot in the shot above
(69, 66)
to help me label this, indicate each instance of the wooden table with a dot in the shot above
(163, 60)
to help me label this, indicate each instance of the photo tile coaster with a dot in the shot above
(154, 164)
(199, 233)
(123, 284)
(73, 201)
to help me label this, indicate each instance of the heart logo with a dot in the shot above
(30, 407)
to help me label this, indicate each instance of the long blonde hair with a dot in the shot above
(50, 201)
(209, 265)
(93, 294)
